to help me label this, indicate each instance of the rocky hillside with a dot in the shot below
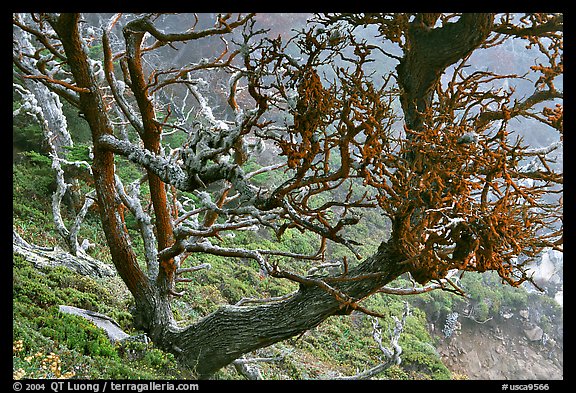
(505, 349)
(501, 332)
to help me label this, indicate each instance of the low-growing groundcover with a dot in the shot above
(50, 344)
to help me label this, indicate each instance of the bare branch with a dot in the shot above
(59, 82)
(131, 200)
(144, 24)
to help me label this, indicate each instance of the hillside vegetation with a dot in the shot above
(49, 344)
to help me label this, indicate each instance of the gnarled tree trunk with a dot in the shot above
(427, 54)
(231, 331)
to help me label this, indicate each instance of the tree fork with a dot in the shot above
(429, 51)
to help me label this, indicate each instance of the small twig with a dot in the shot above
(59, 82)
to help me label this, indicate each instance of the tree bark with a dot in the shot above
(225, 335)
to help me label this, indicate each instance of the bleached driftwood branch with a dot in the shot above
(391, 355)
(42, 257)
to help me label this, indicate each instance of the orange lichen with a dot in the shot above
(313, 105)
(555, 116)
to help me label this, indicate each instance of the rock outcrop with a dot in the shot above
(502, 349)
(111, 327)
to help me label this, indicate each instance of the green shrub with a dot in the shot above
(51, 344)
(421, 359)
(75, 333)
(26, 133)
(33, 179)
(396, 372)
(80, 152)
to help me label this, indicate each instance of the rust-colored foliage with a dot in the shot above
(453, 188)
(312, 108)
(555, 117)
(456, 195)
